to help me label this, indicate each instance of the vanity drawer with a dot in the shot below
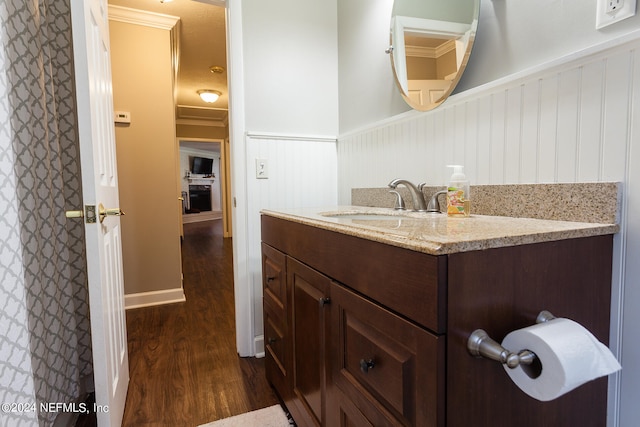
(390, 368)
(410, 283)
(276, 335)
(277, 362)
(274, 280)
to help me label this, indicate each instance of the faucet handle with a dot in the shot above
(434, 203)
(399, 205)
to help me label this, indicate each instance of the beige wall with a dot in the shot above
(447, 64)
(419, 68)
(147, 157)
(202, 132)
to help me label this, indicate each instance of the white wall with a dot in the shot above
(512, 36)
(283, 107)
(367, 90)
(573, 118)
(302, 173)
(290, 64)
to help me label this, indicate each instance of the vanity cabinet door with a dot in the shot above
(390, 371)
(309, 292)
(276, 335)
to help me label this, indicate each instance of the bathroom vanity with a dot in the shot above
(367, 314)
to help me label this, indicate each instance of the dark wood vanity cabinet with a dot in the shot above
(296, 324)
(359, 333)
(350, 360)
(385, 369)
(276, 320)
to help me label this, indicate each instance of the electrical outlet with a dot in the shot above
(262, 169)
(613, 6)
(612, 11)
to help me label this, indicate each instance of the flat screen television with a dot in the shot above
(202, 166)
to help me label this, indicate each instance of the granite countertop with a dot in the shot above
(438, 234)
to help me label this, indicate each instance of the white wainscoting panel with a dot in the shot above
(576, 120)
(569, 124)
(302, 173)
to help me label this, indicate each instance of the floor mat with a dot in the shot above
(272, 416)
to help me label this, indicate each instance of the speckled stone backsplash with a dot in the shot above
(583, 202)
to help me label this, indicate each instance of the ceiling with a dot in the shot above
(202, 44)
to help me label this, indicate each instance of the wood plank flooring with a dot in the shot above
(182, 357)
(185, 370)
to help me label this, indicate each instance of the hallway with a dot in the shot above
(184, 367)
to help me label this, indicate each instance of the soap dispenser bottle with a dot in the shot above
(458, 193)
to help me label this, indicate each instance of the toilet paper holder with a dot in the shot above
(480, 344)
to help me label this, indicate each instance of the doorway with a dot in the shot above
(218, 151)
(202, 174)
(173, 27)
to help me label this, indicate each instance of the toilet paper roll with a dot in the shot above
(570, 356)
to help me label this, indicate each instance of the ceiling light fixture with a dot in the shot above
(209, 95)
(166, 1)
(215, 69)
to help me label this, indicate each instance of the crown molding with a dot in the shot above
(141, 17)
(431, 52)
(221, 3)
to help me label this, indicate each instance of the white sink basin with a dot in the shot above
(378, 214)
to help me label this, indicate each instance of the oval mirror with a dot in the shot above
(431, 41)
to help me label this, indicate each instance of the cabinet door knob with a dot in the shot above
(272, 340)
(367, 364)
(271, 278)
(324, 301)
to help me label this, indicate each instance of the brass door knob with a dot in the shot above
(102, 212)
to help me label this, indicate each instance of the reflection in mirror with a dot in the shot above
(431, 43)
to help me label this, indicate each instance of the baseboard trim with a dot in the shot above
(258, 346)
(148, 299)
(202, 216)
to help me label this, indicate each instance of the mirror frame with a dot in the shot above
(453, 31)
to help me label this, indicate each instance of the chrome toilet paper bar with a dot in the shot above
(480, 344)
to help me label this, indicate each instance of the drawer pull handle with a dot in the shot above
(324, 301)
(272, 341)
(365, 365)
(271, 278)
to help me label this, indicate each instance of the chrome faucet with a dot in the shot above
(434, 203)
(416, 194)
(399, 205)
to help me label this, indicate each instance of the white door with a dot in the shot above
(90, 27)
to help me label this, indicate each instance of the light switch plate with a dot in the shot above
(262, 169)
(611, 11)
